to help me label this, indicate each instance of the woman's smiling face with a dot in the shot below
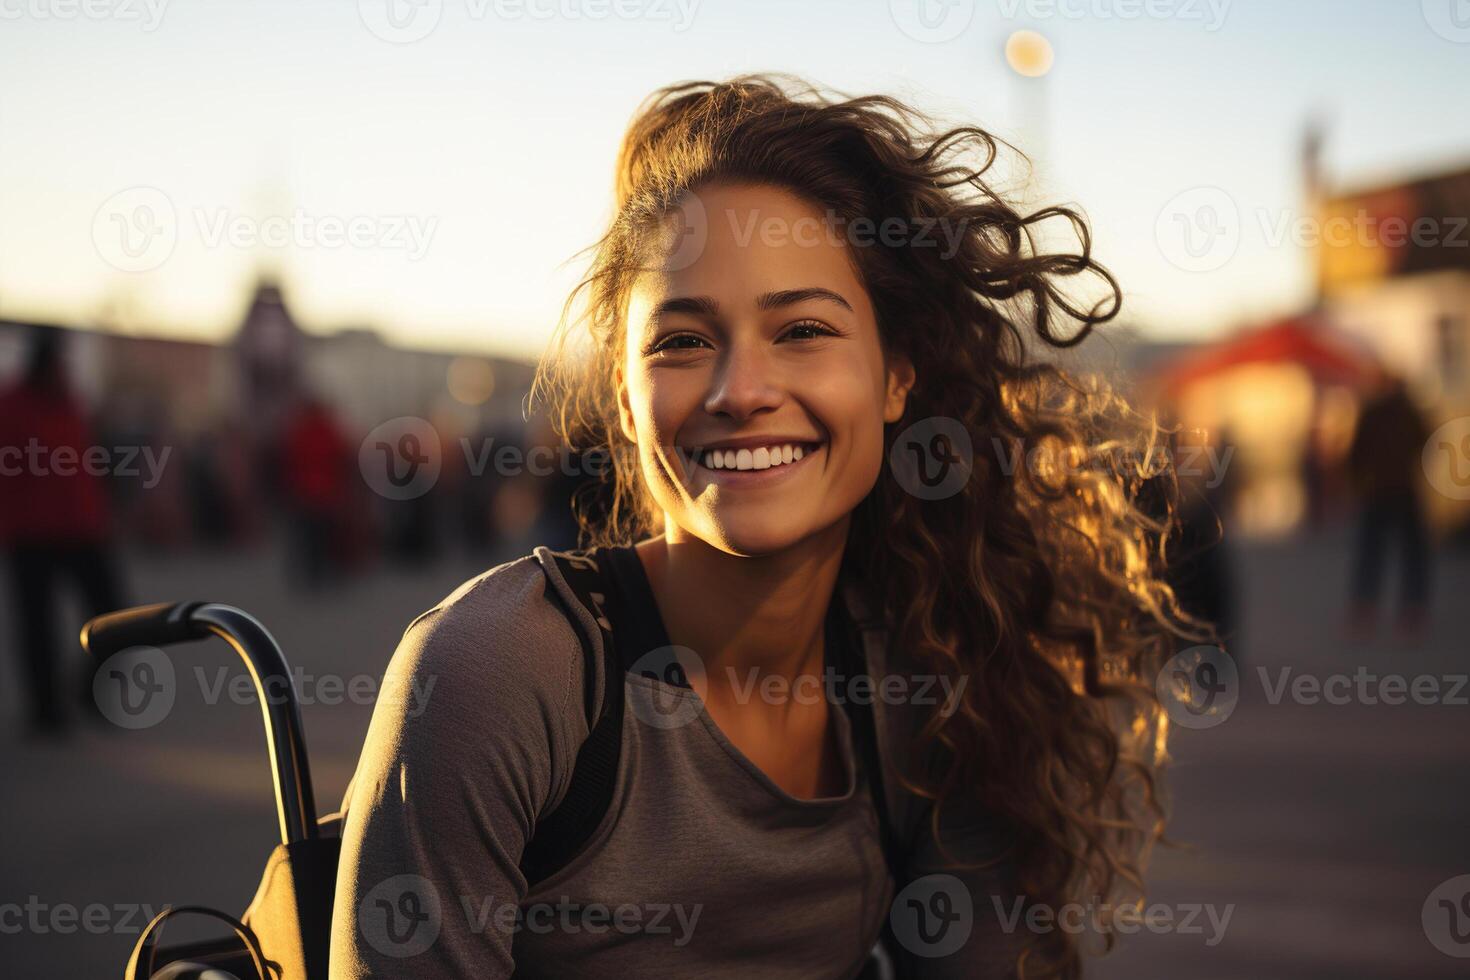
(760, 348)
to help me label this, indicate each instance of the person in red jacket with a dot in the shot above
(316, 457)
(54, 521)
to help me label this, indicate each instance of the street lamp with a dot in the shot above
(1029, 54)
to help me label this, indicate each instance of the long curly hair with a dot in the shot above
(1041, 578)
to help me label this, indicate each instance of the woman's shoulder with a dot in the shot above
(501, 640)
(487, 681)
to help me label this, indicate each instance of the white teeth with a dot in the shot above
(760, 458)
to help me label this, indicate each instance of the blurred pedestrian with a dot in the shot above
(316, 458)
(54, 524)
(208, 499)
(1384, 466)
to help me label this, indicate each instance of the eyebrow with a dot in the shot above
(790, 297)
(705, 306)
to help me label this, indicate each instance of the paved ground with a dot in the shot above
(1320, 829)
(1326, 826)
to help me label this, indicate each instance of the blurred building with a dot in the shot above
(1400, 280)
(365, 379)
(221, 409)
(267, 354)
(1393, 267)
(1276, 405)
(252, 378)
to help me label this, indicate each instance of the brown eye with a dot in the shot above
(675, 343)
(808, 329)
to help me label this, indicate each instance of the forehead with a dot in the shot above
(734, 243)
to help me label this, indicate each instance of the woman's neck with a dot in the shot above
(741, 614)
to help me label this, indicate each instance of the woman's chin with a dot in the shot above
(755, 534)
(753, 541)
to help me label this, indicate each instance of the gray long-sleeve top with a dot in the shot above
(703, 867)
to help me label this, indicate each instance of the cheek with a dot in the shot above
(868, 453)
(857, 414)
(662, 405)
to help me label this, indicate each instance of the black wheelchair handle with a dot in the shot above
(176, 622)
(158, 625)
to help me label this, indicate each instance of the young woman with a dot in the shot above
(886, 615)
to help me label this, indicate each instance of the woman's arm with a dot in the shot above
(472, 740)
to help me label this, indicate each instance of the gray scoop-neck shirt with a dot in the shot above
(702, 867)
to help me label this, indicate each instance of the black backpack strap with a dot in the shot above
(560, 835)
(847, 638)
(848, 632)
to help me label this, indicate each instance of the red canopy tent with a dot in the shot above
(1329, 355)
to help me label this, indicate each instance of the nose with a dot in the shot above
(744, 384)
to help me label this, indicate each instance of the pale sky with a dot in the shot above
(475, 160)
